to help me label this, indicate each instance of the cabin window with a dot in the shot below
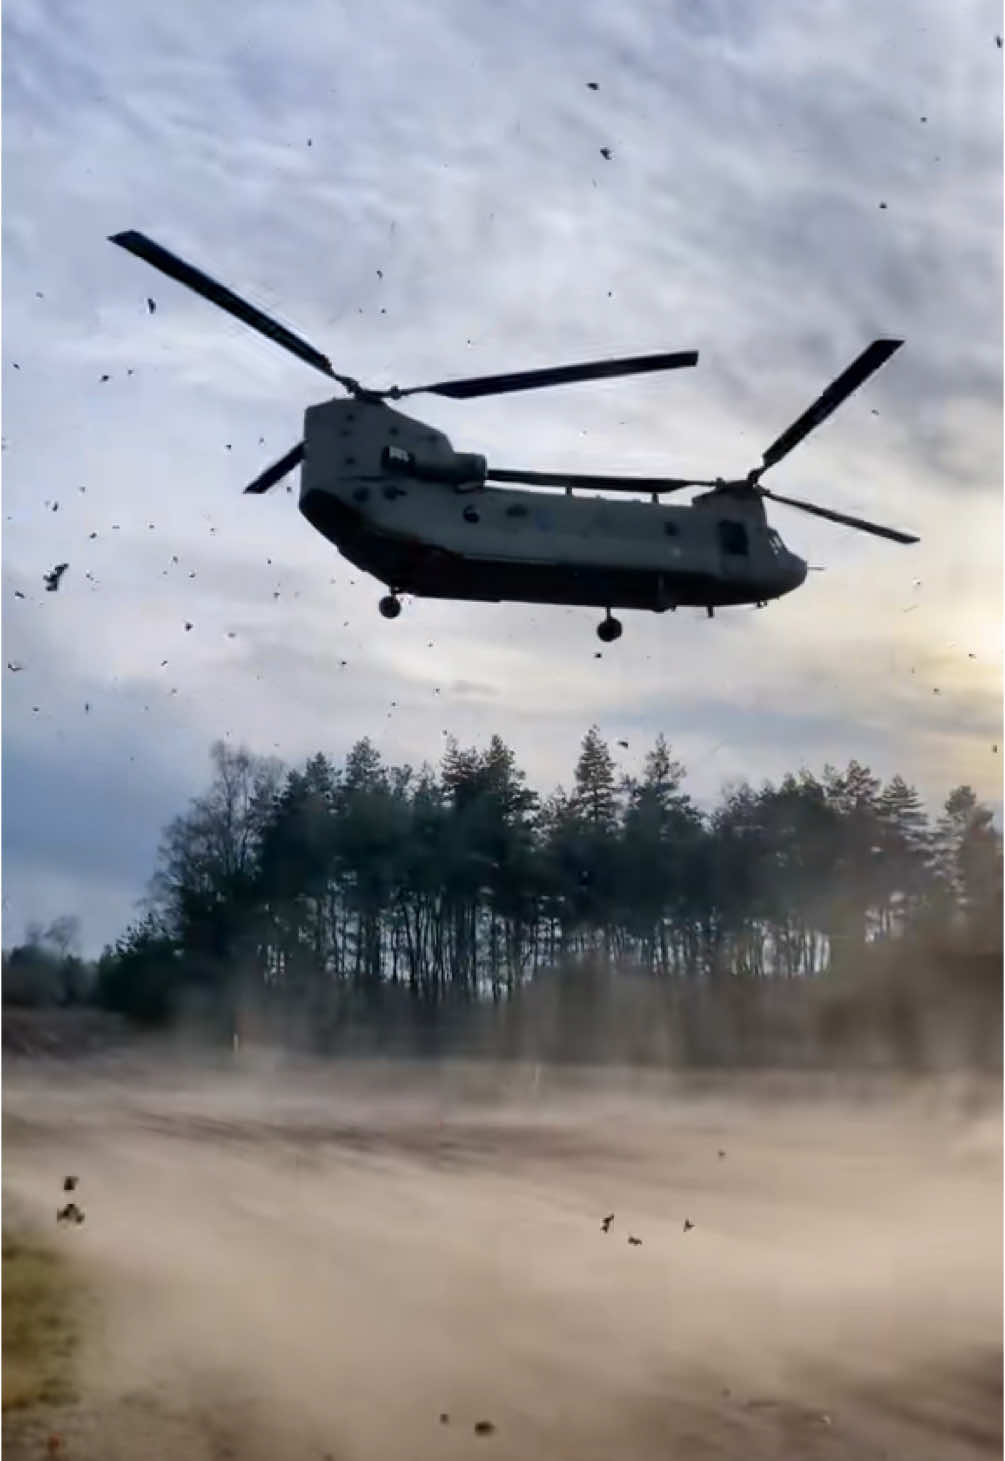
(361, 494)
(670, 529)
(517, 510)
(470, 514)
(777, 546)
(733, 539)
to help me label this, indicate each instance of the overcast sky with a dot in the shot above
(295, 150)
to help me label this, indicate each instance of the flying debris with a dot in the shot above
(484, 1428)
(69, 1183)
(188, 626)
(18, 594)
(606, 1224)
(635, 1242)
(14, 667)
(882, 205)
(444, 1418)
(104, 378)
(623, 744)
(593, 85)
(688, 1225)
(52, 579)
(606, 152)
(151, 305)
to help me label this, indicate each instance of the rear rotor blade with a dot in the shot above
(841, 517)
(278, 470)
(555, 375)
(604, 484)
(175, 268)
(829, 400)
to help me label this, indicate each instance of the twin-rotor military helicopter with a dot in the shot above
(397, 501)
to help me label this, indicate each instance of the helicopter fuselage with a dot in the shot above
(460, 539)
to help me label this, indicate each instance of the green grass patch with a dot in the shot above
(41, 1323)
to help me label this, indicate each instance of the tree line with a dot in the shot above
(462, 883)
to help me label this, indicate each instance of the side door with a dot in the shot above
(734, 549)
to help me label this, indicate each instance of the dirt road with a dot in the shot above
(309, 1263)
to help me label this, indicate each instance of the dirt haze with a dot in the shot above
(295, 1261)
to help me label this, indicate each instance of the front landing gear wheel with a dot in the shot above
(389, 606)
(609, 630)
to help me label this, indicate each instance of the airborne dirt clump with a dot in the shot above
(299, 1260)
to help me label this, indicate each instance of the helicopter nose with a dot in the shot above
(796, 570)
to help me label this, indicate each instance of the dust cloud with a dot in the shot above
(365, 1259)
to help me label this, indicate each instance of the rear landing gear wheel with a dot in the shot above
(389, 606)
(610, 629)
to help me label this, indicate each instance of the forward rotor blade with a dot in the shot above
(605, 484)
(829, 400)
(555, 375)
(278, 470)
(841, 517)
(175, 268)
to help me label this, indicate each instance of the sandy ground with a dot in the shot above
(309, 1263)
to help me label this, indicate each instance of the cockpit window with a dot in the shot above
(733, 538)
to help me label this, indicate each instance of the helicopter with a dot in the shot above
(392, 494)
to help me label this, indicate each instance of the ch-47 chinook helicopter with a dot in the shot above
(397, 501)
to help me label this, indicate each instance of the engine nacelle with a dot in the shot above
(460, 469)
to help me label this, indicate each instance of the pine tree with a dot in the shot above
(596, 797)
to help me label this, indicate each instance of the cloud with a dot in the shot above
(457, 150)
